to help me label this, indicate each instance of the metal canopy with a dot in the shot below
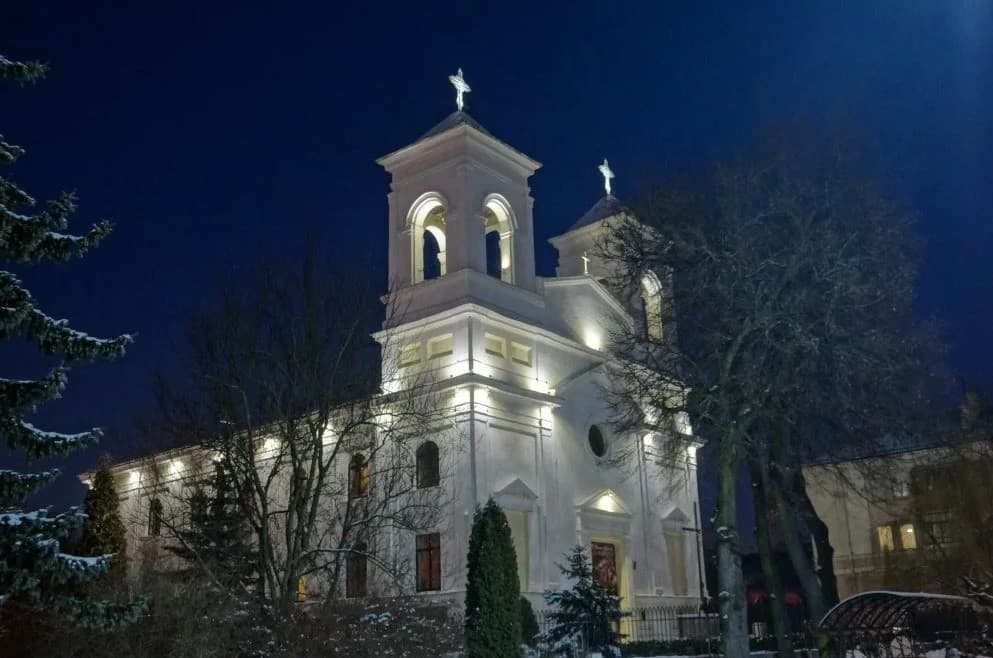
(887, 610)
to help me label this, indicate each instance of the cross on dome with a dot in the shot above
(461, 87)
(607, 174)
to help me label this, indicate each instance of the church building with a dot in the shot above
(526, 359)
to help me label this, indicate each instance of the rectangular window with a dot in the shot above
(301, 589)
(440, 346)
(675, 544)
(428, 562)
(410, 354)
(495, 345)
(884, 534)
(938, 529)
(518, 522)
(908, 538)
(520, 354)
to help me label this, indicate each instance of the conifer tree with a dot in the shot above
(103, 529)
(218, 537)
(33, 569)
(586, 613)
(492, 596)
(529, 624)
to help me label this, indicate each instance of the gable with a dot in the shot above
(587, 308)
(605, 501)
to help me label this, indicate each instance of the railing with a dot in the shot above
(657, 624)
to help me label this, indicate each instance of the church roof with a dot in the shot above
(457, 118)
(607, 206)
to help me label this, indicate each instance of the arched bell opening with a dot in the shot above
(651, 305)
(428, 239)
(498, 222)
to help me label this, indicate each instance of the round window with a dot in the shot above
(597, 443)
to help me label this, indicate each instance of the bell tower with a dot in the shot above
(460, 216)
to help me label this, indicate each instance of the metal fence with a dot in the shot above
(655, 624)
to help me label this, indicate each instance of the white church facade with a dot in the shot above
(526, 359)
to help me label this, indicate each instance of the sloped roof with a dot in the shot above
(607, 206)
(457, 118)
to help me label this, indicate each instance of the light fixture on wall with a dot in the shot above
(591, 337)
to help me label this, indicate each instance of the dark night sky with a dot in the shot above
(215, 134)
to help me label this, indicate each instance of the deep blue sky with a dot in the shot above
(214, 134)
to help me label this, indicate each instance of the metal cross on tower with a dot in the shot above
(607, 175)
(461, 87)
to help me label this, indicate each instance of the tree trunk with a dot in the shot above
(774, 585)
(734, 617)
(802, 564)
(819, 533)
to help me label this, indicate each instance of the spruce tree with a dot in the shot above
(586, 613)
(103, 529)
(218, 537)
(492, 596)
(33, 570)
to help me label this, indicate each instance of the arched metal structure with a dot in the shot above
(879, 611)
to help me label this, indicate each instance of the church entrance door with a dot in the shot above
(605, 566)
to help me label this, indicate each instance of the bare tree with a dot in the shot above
(792, 280)
(951, 489)
(284, 393)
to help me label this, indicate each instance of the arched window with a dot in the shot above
(427, 229)
(198, 510)
(358, 476)
(651, 305)
(498, 226)
(427, 465)
(355, 571)
(154, 517)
